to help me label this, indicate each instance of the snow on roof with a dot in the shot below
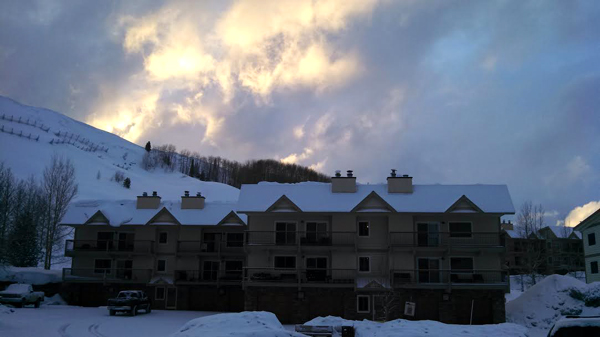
(317, 197)
(124, 212)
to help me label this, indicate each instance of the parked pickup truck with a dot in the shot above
(129, 301)
(19, 295)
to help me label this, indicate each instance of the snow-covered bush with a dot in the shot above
(119, 176)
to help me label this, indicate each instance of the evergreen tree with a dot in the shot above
(192, 169)
(23, 247)
(202, 176)
(148, 147)
(127, 183)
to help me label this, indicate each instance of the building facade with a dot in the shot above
(590, 230)
(374, 251)
(556, 250)
(186, 255)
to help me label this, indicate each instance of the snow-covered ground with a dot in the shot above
(555, 296)
(63, 321)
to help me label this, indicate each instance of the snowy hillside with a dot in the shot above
(29, 137)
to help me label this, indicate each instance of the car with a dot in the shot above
(576, 326)
(130, 301)
(19, 295)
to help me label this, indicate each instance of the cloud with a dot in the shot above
(580, 213)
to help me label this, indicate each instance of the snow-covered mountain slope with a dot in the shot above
(29, 137)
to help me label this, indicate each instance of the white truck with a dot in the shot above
(19, 295)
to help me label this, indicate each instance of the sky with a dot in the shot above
(451, 92)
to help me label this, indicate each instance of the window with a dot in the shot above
(104, 240)
(591, 239)
(363, 228)
(285, 262)
(461, 263)
(163, 238)
(160, 293)
(316, 233)
(235, 239)
(364, 264)
(210, 270)
(460, 229)
(161, 265)
(594, 267)
(209, 243)
(316, 263)
(363, 303)
(102, 266)
(285, 233)
(429, 270)
(233, 266)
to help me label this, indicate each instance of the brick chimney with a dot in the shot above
(192, 202)
(345, 184)
(507, 226)
(401, 184)
(146, 201)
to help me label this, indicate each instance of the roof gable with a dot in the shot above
(284, 204)
(373, 203)
(163, 217)
(464, 205)
(231, 219)
(97, 219)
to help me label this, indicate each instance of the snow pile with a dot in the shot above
(5, 310)
(54, 300)
(247, 323)
(555, 296)
(29, 275)
(421, 328)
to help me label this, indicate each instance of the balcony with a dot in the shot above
(306, 239)
(300, 277)
(437, 278)
(446, 240)
(208, 247)
(105, 275)
(82, 247)
(208, 277)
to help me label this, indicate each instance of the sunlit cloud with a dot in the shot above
(580, 213)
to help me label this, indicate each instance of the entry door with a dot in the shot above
(428, 234)
(171, 298)
(124, 269)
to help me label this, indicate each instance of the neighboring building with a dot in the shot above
(590, 230)
(364, 251)
(186, 254)
(559, 250)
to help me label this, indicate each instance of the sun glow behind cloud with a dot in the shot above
(248, 48)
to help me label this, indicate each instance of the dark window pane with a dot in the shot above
(461, 263)
(591, 239)
(162, 237)
(363, 229)
(460, 229)
(594, 267)
(363, 264)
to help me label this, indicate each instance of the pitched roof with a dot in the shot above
(317, 197)
(592, 220)
(124, 212)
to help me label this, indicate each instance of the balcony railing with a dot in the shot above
(445, 239)
(208, 276)
(432, 277)
(195, 247)
(276, 238)
(300, 276)
(107, 275)
(112, 246)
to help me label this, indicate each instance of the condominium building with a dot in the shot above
(375, 251)
(590, 230)
(185, 254)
